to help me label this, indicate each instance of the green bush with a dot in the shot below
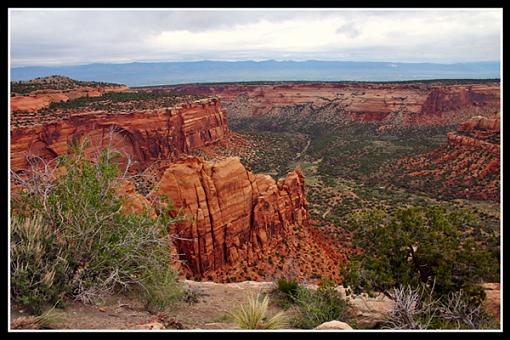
(80, 244)
(288, 287)
(318, 306)
(418, 246)
(39, 268)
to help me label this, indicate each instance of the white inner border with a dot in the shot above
(253, 9)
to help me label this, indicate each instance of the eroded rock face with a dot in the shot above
(492, 301)
(141, 136)
(467, 167)
(43, 98)
(233, 214)
(417, 103)
(134, 203)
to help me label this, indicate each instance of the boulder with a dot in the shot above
(332, 325)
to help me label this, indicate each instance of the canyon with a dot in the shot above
(241, 224)
(263, 179)
(237, 225)
(403, 104)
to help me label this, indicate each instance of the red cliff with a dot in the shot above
(417, 103)
(236, 221)
(467, 167)
(142, 136)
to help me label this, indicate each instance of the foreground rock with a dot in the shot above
(492, 301)
(332, 325)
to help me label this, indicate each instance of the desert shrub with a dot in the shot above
(415, 308)
(288, 287)
(81, 244)
(39, 268)
(253, 315)
(418, 246)
(315, 307)
(161, 288)
(286, 291)
(411, 310)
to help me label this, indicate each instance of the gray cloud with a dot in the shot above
(350, 29)
(43, 37)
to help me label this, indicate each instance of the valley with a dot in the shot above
(267, 177)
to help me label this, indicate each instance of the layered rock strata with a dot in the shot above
(231, 213)
(467, 167)
(40, 99)
(141, 136)
(416, 103)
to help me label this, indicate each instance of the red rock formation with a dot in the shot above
(134, 203)
(235, 220)
(37, 100)
(143, 136)
(467, 167)
(492, 302)
(233, 211)
(435, 103)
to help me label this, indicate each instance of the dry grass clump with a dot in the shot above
(253, 315)
(47, 320)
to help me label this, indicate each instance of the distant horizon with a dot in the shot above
(252, 60)
(136, 74)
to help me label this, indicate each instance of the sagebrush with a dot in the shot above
(70, 237)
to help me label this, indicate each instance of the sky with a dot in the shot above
(67, 37)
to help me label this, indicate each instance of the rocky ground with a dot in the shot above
(208, 306)
(208, 309)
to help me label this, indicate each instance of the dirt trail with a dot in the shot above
(299, 154)
(119, 312)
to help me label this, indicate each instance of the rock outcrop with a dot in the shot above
(141, 136)
(492, 302)
(134, 202)
(240, 226)
(233, 214)
(404, 104)
(40, 99)
(334, 325)
(467, 167)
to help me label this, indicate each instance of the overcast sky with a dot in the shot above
(57, 37)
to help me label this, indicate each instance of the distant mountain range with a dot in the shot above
(168, 73)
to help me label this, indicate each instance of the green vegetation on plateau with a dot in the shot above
(53, 83)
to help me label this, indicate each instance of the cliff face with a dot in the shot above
(478, 133)
(236, 220)
(142, 136)
(387, 104)
(40, 99)
(467, 167)
(233, 211)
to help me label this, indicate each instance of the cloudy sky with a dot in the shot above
(58, 37)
